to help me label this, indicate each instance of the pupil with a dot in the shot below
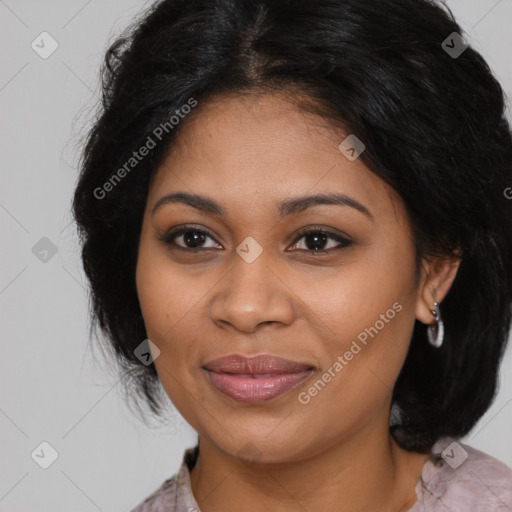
(194, 238)
(316, 237)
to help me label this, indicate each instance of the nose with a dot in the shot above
(251, 294)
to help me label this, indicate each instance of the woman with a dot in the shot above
(294, 222)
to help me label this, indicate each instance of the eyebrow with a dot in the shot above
(285, 208)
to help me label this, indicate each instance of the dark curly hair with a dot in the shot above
(434, 128)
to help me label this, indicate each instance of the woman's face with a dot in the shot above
(254, 284)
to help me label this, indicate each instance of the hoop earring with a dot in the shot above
(435, 332)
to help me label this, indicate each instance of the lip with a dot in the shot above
(255, 379)
(255, 365)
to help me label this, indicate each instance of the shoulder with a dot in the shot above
(459, 477)
(161, 500)
(175, 494)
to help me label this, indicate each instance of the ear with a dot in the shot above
(437, 276)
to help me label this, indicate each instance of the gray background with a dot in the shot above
(51, 387)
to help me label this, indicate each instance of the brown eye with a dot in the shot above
(189, 238)
(316, 241)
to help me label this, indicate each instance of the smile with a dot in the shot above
(255, 379)
(256, 388)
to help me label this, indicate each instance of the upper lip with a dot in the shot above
(255, 365)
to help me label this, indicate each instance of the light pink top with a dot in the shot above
(457, 478)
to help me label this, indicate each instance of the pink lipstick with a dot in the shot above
(255, 379)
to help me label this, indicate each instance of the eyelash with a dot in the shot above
(169, 238)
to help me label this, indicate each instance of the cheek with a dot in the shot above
(165, 295)
(355, 295)
(167, 305)
(171, 300)
(357, 377)
(367, 315)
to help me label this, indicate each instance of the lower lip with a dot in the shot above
(256, 389)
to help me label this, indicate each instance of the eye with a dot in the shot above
(191, 238)
(315, 241)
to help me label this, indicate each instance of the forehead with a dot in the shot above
(254, 151)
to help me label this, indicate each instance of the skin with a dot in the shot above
(334, 453)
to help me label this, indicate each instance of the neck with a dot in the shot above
(366, 470)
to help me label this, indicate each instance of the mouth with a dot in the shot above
(255, 379)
